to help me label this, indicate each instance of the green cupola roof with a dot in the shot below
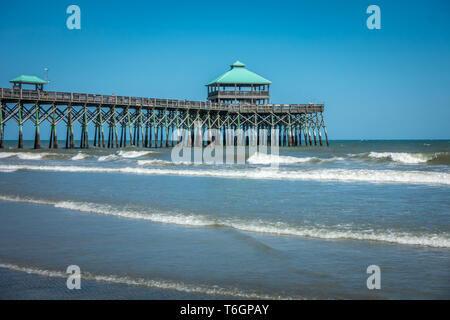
(239, 75)
(28, 80)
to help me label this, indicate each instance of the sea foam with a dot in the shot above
(79, 156)
(150, 283)
(263, 158)
(332, 175)
(403, 157)
(248, 225)
(24, 155)
(133, 154)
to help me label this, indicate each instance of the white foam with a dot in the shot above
(263, 158)
(338, 175)
(24, 155)
(7, 154)
(26, 200)
(133, 154)
(431, 240)
(171, 218)
(258, 226)
(79, 156)
(108, 157)
(156, 284)
(153, 162)
(164, 162)
(402, 157)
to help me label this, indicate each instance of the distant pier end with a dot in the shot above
(238, 99)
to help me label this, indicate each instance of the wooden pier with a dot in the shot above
(237, 109)
(150, 123)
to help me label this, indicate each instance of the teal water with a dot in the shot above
(141, 226)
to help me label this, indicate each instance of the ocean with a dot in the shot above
(141, 226)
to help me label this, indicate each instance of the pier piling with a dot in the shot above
(152, 123)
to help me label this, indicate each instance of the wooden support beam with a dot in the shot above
(20, 144)
(37, 138)
(70, 124)
(2, 132)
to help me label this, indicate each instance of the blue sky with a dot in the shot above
(392, 83)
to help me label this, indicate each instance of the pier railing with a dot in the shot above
(150, 121)
(54, 97)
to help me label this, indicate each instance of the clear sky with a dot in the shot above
(392, 83)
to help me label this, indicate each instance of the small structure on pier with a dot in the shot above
(32, 80)
(239, 86)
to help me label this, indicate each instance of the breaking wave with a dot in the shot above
(257, 226)
(79, 156)
(133, 154)
(149, 283)
(403, 157)
(442, 158)
(24, 155)
(338, 175)
(165, 162)
(109, 157)
(153, 162)
(263, 158)
(123, 155)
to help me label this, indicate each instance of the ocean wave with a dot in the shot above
(168, 163)
(256, 226)
(263, 158)
(25, 155)
(149, 283)
(154, 161)
(440, 158)
(330, 175)
(406, 157)
(79, 156)
(123, 155)
(403, 157)
(109, 157)
(133, 154)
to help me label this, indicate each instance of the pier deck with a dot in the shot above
(148, 120)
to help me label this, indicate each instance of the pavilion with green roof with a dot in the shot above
(239, 86)
(32, 80)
